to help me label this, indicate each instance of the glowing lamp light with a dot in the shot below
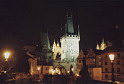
(68, 71)
(53, 72)
(38, 68)
(77, 74)
(72, 69)
(6, 55)
(111, 56)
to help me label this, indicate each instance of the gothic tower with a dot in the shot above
(70, 44)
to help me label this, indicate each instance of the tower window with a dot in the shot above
(72, 59)
(118, 62)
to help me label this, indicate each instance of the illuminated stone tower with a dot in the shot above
(70, 44)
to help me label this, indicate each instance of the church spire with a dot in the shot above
(103, 41)
(97, 47)
(103, 45)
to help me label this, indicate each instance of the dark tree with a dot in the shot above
(22, 64)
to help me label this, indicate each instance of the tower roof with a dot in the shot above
(45, 41)
(69, 25)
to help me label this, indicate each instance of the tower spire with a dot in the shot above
(97, 46)
(78, 31)
(70, 28)
(54, 46)
(103, 45)
(103, 41)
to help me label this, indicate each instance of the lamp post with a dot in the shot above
(111, 56)
(6, 56)
(38, 68)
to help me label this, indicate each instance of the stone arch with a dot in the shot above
(60, 70)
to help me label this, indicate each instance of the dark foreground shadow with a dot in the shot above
(80, 81)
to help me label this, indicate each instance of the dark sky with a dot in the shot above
(23, 21)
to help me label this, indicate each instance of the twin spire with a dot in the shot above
(102, 46)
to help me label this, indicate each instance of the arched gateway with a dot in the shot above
(58, 70)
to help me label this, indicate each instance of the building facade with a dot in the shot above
(93, 62)
(118, 64)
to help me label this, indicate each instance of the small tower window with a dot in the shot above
(72, 59)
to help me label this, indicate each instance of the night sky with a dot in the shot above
(21, 22)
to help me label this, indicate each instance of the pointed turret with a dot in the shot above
(58, 44)
(103, 45)
(54, 46)
(97, 47)
(103, 41)
(78, 31)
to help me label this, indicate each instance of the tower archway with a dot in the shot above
(60, 70)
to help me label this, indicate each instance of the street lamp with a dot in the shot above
(111, 56)
(38, 68)
(6, 55)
